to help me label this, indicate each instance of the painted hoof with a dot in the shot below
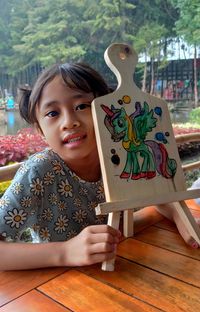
(136, 176)
(124, 175)
(151, 174)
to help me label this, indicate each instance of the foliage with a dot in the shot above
(194, 116)
(191, 176)
(18, 147)
(188, 25)
(4, 186)
(48, 31)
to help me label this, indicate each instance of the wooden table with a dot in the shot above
(155, 271)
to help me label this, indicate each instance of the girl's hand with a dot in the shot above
(96, 243)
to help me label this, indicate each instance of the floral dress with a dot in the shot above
(48, 202)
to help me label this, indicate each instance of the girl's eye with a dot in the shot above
(52, 114)
(83, 106)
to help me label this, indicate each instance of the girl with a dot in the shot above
(52, 197)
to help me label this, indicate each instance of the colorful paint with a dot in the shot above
(145, 158)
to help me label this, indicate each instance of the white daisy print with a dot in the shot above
(38, 157)
(100, 192)
(101, 219)
(61, 224)
(35, 227)
(61, 205)
(17, 188)
(26, 202)
(16, 218)
(23, 168)
(79, 216)
(71, 234)
(57, 167)
(49, 178)
(45, 234)
(53, 199)
(92, 205)
(47, 214)
(77, 202)
(65, 188)
(75, 177)
(37, 187)
(4, 202)
(83, 191)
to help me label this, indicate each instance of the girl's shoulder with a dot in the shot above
(42, 162)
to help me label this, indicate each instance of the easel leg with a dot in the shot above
(128, 226)
(188, 219)
(113, 220)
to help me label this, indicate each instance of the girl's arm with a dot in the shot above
(94, 244)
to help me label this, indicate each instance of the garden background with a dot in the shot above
(34, 34)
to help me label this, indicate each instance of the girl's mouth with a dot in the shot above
(70, 139)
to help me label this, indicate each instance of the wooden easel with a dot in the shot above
(138, 154)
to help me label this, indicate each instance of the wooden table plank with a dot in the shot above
(82, 293)
(167, 262)
(33, 301)
(16, 283)
(170, 226)
(167, 240)
(166, 225)
(157, 289)
(192, 204)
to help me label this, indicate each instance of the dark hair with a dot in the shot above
(76, 76)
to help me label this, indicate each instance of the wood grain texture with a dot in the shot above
(33, 302)
(122, 59)
(161, 260)
(128, 125)
(150, 286)
(15, 283)
(170, 226)
(192, 204)
(167, 240)
(137, 202)
(82, 293)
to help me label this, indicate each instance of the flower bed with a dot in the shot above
(16, 148)
(187, 149)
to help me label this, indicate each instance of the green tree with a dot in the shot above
(154, 23)
(108, 21)
(188, 27)
(49, 35)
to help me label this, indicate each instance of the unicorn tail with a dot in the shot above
(164, 165)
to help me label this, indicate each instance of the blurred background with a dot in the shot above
(35, 34)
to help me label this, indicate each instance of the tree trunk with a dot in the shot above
(144, 75)
(195, 78)
(152, 76)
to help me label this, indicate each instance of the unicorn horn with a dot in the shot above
(107, 110)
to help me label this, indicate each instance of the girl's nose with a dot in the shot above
(70, 121)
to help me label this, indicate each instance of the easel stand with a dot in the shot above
(177, 200)
(138, 154)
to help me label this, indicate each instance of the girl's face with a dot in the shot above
(65, 119)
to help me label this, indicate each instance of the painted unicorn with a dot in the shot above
(145, 158)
